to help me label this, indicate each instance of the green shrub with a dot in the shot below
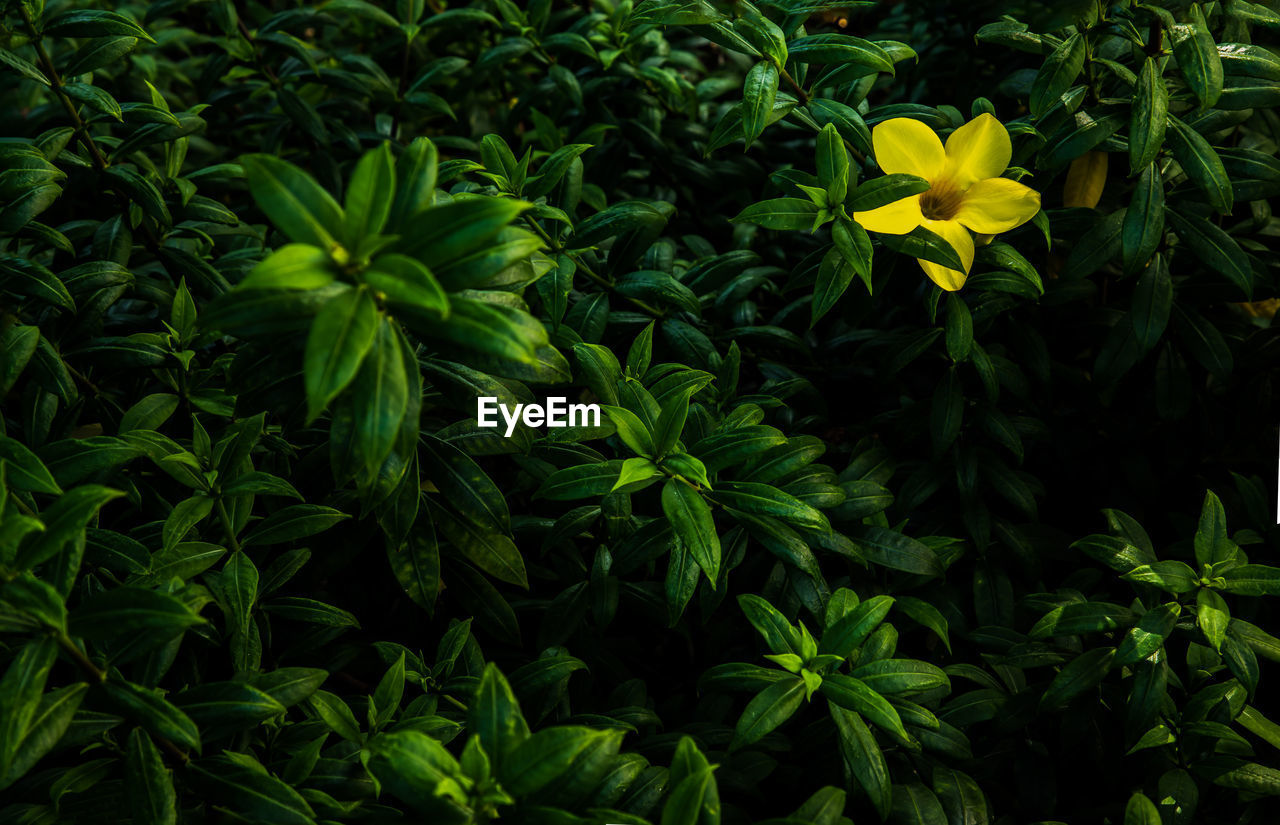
(883, 304)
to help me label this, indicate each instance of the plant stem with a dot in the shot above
(77, 655)
(858, 156)
(791, 81)
(227, 526)
(46, 63)
(257, 58)
(79, 376)
(589, 272)
(804, 101)
(99, 675)
(100, 161)
(173, 750)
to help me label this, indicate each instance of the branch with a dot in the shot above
(589, 272)
(46, 63)
(99, 676)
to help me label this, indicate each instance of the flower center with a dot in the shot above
(941, 202)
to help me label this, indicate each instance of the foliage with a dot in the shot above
(833, 554)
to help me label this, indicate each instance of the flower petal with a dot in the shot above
(978, 150)
(960, 239)
(897, 218)
(997, 205)
(906, 146)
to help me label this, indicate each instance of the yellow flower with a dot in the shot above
(966, 192)
(1260, 309)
